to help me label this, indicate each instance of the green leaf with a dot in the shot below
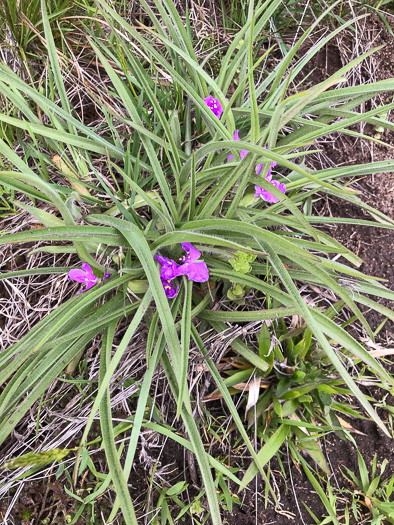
(43, 216)
(265, 351)
(107, 431)
(312, 447)
(264, 455)
(316, 329)
(185, 343)
(177, 488)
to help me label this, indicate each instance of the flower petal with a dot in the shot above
(168, 268)
(259, 168)
(88, 269)
(192, 254)
(78, 275)
(169, 289)
(195, 271)
(266, 195)
(279, 185)
(214, 105)
(162, 260)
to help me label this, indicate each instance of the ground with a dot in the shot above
(374, 246)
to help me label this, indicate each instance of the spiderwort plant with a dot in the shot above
(194, 269)
(84, 276)
(161, 141)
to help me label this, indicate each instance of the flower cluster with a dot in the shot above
(194, 269)
(84, 276)
(216, 107)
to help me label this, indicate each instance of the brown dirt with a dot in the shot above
(340, 454)
(374, 246)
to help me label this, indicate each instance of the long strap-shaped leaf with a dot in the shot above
(154, 359)
(138, 243)
(142, 75)
(235, 54)
(29, 176)
(185, 236)
(151, 365)
(55, 66)
(281, 244)
(185, 342)
(198, 446)
(267, 452)
(72, 311)
(157, 205)
(9, 77)
(211, 118)
(259, 150)
(67, 233)
(108, 434)
(45, 131)
(12, 419)
(69, 331)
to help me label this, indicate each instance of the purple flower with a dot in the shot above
(84, 276)
(243, 152)
(168, 268)
(195, 270)
(214, 105)
(192, 254)
(266, 195)
(169, 289)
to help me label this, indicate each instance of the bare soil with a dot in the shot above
(375, 246)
